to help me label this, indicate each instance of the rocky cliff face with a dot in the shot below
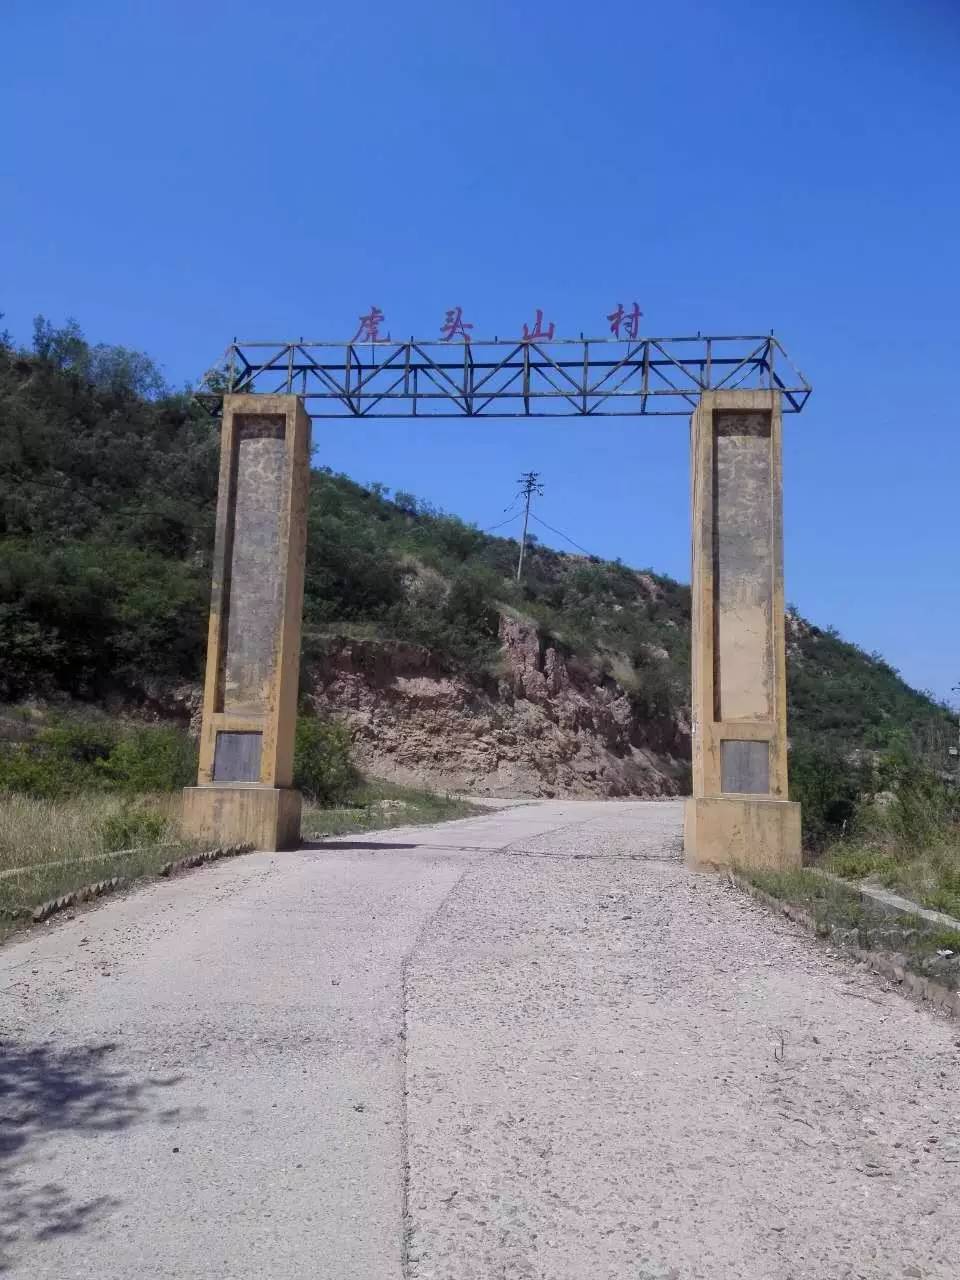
(546, 726)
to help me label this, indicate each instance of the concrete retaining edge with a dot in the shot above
(888, 966)
(892, 904)
(32, 867)
(200, 859)
(85, 894)
(101, 887)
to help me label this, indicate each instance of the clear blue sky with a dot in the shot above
(174, 174)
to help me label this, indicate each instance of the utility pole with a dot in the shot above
(529, 485)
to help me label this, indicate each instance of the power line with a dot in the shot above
(509, 520)
(561, 534)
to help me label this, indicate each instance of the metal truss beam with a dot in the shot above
(569, 377)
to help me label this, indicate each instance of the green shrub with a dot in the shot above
(322, 768)
(920, 813)
(90, 755)
(656, 694)
(459, 622)
(829, 786)
(61, 760)
(132, 826)
(82, 742)
(28, 770)
(920, 810)
(79, 614)
(945, 940)
(858, 863)
(151, 759)
(945, 897)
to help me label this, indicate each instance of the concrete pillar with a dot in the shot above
(245, 790)
(739, 813)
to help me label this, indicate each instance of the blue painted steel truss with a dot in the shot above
(569, 377)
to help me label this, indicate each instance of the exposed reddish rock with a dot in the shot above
(545, 727)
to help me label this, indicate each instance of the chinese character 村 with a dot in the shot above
(629, 321)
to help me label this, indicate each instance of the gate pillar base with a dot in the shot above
(243, 813)
(727, 831)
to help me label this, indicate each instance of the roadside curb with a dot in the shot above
(84, 894)
(891, 903)
(200, 859)
(88, 892)
(890, 967)
(32, 867)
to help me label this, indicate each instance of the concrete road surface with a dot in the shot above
(525, 1046)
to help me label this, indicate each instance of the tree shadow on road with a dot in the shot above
(44, 1091)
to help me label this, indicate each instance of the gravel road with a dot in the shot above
(524, 1046)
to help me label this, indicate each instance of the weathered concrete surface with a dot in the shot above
(741, 833)
(257, 563)
(203, 1078)
(591, 1059)
(739, 732)
(253, 635)
(743, 566)
(266, 817)
(595, 1090)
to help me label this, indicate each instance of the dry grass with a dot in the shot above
(34, 831)
(51, 847)
(841, 914)
(929, 875)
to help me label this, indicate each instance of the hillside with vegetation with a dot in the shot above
(107, 497)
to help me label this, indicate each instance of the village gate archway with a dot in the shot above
(735, 389)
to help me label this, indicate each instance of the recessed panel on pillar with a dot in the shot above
(254, 586)
(742, 567)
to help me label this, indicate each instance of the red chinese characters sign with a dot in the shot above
(454, 327)
(624, 325)
(369, 330)
(629, 321)
(538, 333)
